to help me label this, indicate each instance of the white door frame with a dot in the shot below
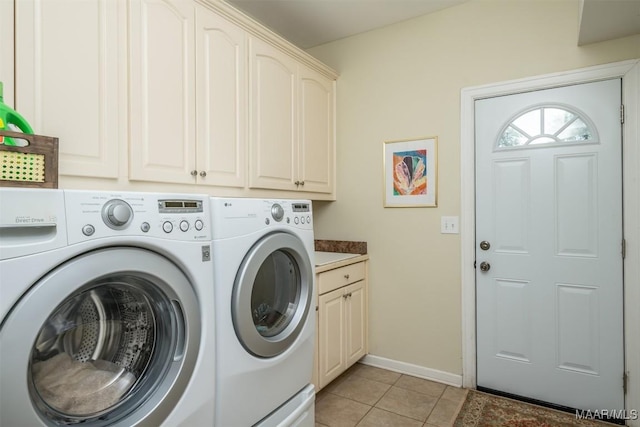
(629, 71)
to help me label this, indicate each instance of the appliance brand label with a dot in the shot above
(25, 219)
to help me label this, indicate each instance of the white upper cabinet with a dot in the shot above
(162, 90)
(316, 171)
(191, 93)
(292, 137)
(274, 124)
(69, 83)
(221, 95)
(187, 96)
(7, 58)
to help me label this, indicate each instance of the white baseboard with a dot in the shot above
(414, 370)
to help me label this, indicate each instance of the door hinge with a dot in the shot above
(625, 379)
(624, 248)
(622, 114)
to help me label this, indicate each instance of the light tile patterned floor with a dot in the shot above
(365, 396)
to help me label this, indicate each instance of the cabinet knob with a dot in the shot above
(194, 172)
(297, 183)
(301, 182)
(203, 174)
(346, 276)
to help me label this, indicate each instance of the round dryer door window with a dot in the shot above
(112, 348)
(272, 294)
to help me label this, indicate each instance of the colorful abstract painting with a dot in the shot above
(410, 173)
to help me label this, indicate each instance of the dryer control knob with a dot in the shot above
(117, 214)
(277, 212)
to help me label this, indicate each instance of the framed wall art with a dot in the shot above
(411, 173)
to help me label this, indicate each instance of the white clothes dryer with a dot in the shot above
(106, 309)
(265, 318)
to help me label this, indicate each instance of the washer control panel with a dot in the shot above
(289, 212)
(93, 215)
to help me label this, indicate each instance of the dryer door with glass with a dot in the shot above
(110, 337)
(272, 294)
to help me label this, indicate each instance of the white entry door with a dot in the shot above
(548, 245)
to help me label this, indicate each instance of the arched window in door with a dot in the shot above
(547, 125)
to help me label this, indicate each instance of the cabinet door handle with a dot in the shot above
(194, 172)
(203, 174)
(346, 276)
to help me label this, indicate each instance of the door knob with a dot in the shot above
(485, 266)
(484, 245)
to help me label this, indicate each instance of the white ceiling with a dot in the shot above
(602, 20)
(309, 23)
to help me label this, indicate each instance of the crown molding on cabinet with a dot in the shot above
(258, 30)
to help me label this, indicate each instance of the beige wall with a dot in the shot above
(402, 82)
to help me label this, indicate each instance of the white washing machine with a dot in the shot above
(265, 312)
(106, 314)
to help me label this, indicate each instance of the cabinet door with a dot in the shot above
(221, 81)
(317, 132)
(316, 354)
(331, 330)
(273, 129)
(69, 83)
(7, 59)
(162, 90)
(356, 320)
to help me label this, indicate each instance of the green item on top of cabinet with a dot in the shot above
(11, 120)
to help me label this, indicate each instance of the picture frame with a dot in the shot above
(410, 170)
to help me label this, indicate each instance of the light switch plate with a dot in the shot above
(449, 225)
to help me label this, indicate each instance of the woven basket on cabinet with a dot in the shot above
(34, 165)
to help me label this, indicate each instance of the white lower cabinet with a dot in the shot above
(342, 321)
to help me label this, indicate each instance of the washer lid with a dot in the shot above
(272, 294)
(108, 338)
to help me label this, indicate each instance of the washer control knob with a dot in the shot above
(145, 227)
(296, 220)
(117, 214)
(277, 212)
(167, 227)
(199, 225)
(184, 225)
(302, 220)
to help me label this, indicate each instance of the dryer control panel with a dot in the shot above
(92, 215)
(240, 216)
